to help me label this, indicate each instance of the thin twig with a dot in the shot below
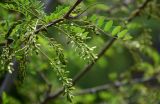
(48, 25)
(138, 10)
(66, 16)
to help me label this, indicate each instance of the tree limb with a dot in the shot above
(118, 84)
(9, 78)
(79, 75)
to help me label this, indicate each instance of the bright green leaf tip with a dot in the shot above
(122, 33)
(116, 30)
(108, 25)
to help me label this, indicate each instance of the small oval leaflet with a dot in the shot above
(122, 33)
(108, 25)
(116, 30)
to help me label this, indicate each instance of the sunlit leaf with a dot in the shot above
(122, 33)
(116, 30)
(108, 25)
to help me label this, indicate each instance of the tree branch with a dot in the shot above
(66, 16)
(89, 66)
(104, 49)
(9, 78)
(138, 10)
(118, 84)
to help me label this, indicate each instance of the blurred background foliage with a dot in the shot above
(120, 66)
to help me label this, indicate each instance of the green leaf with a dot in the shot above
(127, 37)
(93, 18)
(100, 21)
(4, 98)
(116, 30)
(102, 7)
(122, 33)
(58, 13)
(108, 25)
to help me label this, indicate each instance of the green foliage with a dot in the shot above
(40, 44)
(77, 37)
(8, 100)
(26, 41)
(29, 8)
(116, 30)
(103, 25)
(122, 33)
(58, 63)
(26, 45)
(58, 13)
(4, 98)
(108, 25)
